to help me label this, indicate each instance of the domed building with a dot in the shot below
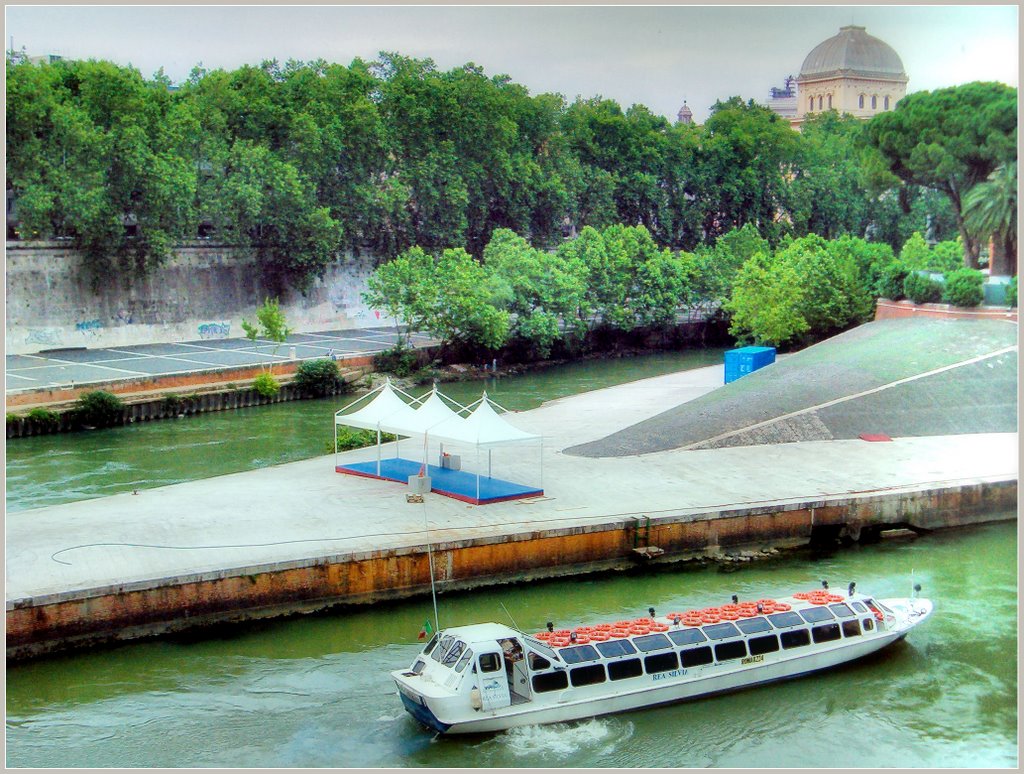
(852, 72)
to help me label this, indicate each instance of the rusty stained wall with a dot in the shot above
(39, 626)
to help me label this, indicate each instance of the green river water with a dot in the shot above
(313, 691)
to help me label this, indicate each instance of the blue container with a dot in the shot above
(745, 360)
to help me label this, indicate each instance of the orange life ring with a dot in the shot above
(782, 607)
(729, 615)
(558, 642)
(730, 608)
(692, 620)
(544, 635)
(637, 629)
(709, 618)
(599, 636)
(582, 630)
(766, 602)
(674, 616)
(581, 639)
(802, 594)
(659, 627)
(618, 633)
(834, 598)
(562, 633)
(602, 627)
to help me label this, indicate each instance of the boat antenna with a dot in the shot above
(513, 620)
(430, 560)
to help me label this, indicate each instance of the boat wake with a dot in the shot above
(562, 740)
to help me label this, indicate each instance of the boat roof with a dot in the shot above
(482, 631)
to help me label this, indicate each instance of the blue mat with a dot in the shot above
(451, 483)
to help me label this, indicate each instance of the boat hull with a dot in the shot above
(718, 679)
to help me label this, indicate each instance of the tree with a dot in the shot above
(270, 325)
(765, 302)
(990, 210)
(950, 140)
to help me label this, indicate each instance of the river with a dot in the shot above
(313, 691)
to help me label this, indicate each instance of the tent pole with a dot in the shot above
(488, 463)
(335, 444)
(378, 451)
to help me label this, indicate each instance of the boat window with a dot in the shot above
(461, 666)
(781, 620)
(869, 625)
(578, 654)
(817, 615)
(538, 663)
(687, 636)
(542, 648)
(729, 650)
(767, 644)
(587, 675)
(661, 662)
(851, 628)
(446, 642)
(721, 631)
(651, 642)
(550, 681)
(620, 670)
(841, 610)
(489, 662)
(433, 641)
(795, 638)
(696, 656)
(753, 625)
(859, 607)
(453, 654)
(884, 608)
(826, 632)
(613, 648)
(418, 666)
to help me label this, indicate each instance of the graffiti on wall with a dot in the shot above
(219, 330)
(45, 336)
(89, 327)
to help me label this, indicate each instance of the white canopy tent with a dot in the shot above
(431, 418)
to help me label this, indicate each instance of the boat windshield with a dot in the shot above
(541, 648)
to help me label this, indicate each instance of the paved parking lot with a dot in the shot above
(73, 367)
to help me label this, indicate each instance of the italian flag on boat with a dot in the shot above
(426, 630)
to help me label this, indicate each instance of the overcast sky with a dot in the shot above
(655, 56)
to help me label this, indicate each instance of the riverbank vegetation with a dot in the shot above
(505, 220)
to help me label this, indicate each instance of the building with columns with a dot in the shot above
(852, 72)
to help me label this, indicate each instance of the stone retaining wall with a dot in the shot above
(79, 619)
(889, 310)
(203, 292)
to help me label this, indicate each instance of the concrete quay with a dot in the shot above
(300, 537)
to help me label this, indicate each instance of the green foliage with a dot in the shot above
(98, 409)
(318, 377)
(990, 210)
(947, 256)
(266, 385)
(964, 287)
(400, 361)
(44, 419)
(949, 140)
(351, 438)
(922, 289)
(916, 255)
(808, 287)
(890, 282)
(172, 403)
(1011, 293)
(271, 325)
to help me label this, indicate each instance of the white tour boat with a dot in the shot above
(489, 677)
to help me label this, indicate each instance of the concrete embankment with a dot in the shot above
(300, 537)
(128, 611)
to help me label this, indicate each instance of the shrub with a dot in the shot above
(922, 289)
(44, 419)
(171, 403)
(266, 385)
(947, 256)
(99, 409)
(890, 282)
(349, 438)
(915, 253)
(318, 377)
(964, 287)
(12, 417)
(398, 361)
(1011, 293)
